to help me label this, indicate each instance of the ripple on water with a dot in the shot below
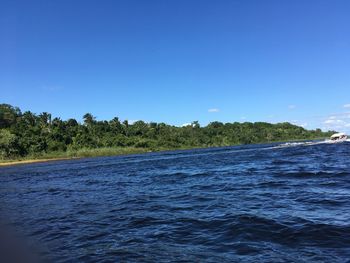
(258, 203)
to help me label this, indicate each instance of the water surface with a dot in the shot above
(235, 204)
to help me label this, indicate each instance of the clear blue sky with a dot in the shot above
(179, 61)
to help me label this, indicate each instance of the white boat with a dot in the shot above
(338, 137)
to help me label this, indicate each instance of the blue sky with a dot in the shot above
(179, 61)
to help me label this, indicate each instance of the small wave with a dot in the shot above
(295, 144)
(313, 174)
(252, 228)
(282, 162)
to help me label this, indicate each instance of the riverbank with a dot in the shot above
(100, 152)
(29, 161)
(77, 154)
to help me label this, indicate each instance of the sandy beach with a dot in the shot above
(18, 162)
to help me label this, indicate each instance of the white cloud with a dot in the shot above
(186, 124)
(336, 124)
(347, 105)
(292, 107)
(213, 110)
(333, 121)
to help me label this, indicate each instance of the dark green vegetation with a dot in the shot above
(26, 134)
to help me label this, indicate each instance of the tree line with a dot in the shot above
(29, 134)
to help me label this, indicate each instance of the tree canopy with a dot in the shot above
(23, 134)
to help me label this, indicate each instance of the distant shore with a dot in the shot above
(29, 161)
(26, 137)
(82, 153)
(87, 153)
(104, 152)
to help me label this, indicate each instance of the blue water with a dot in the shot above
(257, 203)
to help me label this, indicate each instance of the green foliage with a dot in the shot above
(27, 134)
(7, 144)
(8, 115)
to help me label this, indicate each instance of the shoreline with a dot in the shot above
(29, 161)
(8, 163)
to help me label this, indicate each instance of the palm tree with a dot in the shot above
(45, 118)
(89, 119)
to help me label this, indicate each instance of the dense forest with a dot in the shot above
(24, 134)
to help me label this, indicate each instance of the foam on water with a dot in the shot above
(309, 143)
